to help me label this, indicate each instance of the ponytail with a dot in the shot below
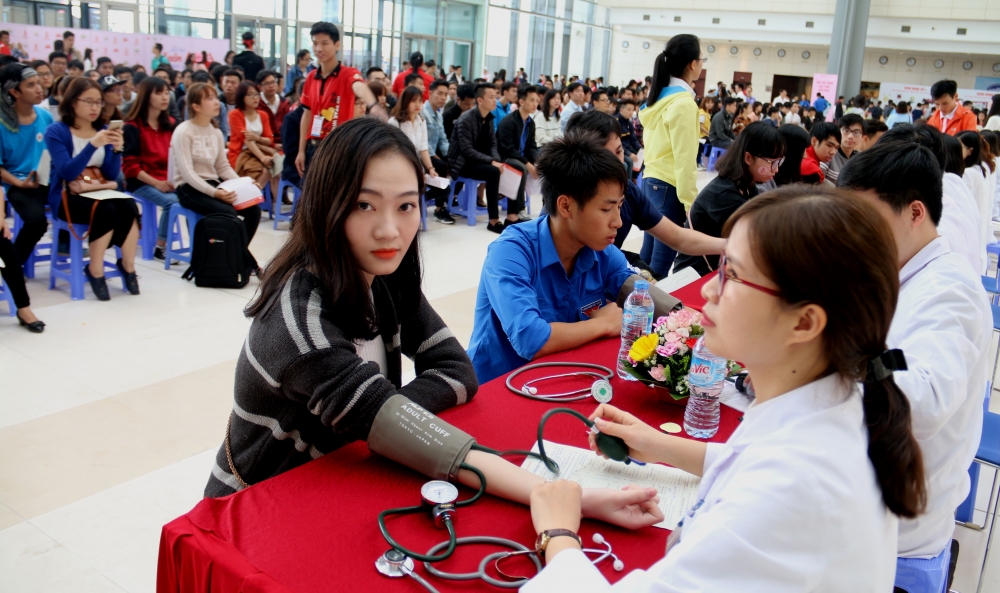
(893, 450)
(680, 51)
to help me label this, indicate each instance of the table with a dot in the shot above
(314, 528)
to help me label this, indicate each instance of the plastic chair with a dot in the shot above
(276, 213)
(268, 204)
(965, 512)
(713, 156)
(423, 213)
(987, 455)
(7, 296)
(924, 575)
(70, 268)
(36, 256)
(148, 227)
(179, 253)
(467, 206)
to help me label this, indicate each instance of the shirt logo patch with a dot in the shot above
(589, 309)
(39, 137)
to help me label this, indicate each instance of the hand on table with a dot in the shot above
(557, 505)
(611, 314)
(644, 442)
(632, 507)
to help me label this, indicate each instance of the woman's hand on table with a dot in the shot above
(632, 507)
(645, 443)
(557, 505)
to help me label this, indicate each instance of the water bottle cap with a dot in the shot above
(641, 285)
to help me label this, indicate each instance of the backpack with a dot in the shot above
(219, 254)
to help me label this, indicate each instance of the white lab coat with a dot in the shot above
(943, 324)
(789, 504)
(960, 222)
(977, 182)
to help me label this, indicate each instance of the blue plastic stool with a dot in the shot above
(467, 206)
(36, 256)
(268, 204)
(148, 227)
(965, 512)
(179, 253)
(7, 296)
(988, 454)
(70, 268)
(714, 156)
(423, 213)
(276, 213)
(924, 575)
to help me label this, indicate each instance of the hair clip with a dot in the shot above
(882, 366)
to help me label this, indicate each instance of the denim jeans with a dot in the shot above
(664, 197)
(160, 199)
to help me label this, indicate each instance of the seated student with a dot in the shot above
(80, 140)
(21, 146)
(277, 107)
(415, 80)
(721, 133)
(465, 99)
(805, 495)
(147, 132)
(516, 144)
(824, 143)
(873, 131)
(437, 144)
(636, 208)
(943, 324)
(200, 161)
(473, 154)
(546, 118)
(980, 178)
(852, 131)
(773, 118)
(339, 305)
(754, 158)
(406, 116)
(13, 276)
(551, 284)
(630, 143)
(796, 142)
(290, 142)
(251, 141)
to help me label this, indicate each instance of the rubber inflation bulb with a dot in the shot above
(619, 565)
(613, 447)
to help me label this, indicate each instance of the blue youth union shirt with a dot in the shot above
(524, 287)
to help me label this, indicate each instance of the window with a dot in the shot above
(677, 19)
(905, 29)
(715, 21)
(460, 20)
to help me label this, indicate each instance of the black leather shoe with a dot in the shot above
(495, 228)
(99, 285)
(35, 327)
(131, 280)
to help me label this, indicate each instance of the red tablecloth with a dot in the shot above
(315, 528)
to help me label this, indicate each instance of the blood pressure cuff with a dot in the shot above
(408, 434)
(663, 303)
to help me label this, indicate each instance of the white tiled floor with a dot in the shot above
(94, 461)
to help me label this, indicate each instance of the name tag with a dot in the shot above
(317, 126)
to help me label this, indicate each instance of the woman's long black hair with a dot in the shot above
(680, 51)
(760, 140)
(318, 243)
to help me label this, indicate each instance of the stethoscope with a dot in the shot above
(600, 389)
(395, 564)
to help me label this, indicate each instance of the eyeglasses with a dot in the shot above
(723, 279)
(91, 102)
(856, 133)
(250, 95)
(775, 163)
(703, 59)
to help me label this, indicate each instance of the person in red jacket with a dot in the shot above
(251, 142)
(416, 67)
(148, 130)
(824, 144)
(950, 117)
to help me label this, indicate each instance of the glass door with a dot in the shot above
(457, 53)
(121, 18)
(269, 36)
(425, 45)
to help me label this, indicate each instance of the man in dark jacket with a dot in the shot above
(516, 142)
(720, 133)
(249, 61)
(630, 143)
(473, 153)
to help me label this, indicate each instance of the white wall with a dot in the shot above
(635, 62)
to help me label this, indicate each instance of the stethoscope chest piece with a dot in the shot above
(601, 391)
(394, 564)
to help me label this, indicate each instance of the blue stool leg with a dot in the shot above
(76, 264)
(470, 191)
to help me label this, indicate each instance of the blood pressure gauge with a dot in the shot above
(438, 492)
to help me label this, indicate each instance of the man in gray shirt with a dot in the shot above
(720, 133)
(852, 130)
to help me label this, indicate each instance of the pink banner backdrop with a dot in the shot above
(827, 85)
(122, 48)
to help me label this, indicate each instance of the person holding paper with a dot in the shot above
(406, 116)
(79, 140)
(437, 145)
(808, 492)
(516, 144)
(200, 162)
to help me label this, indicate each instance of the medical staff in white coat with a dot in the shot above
(944, 324)
(804, 496)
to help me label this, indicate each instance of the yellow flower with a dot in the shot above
(644, 347)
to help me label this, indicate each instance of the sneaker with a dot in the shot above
(131, 279)
(160, 253)
(702, 167)
(443, 216)
(495, 227)
(522, 216)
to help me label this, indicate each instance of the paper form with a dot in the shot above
(678, 490)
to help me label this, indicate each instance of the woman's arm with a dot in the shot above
(685, 240)
(59, 141)
(267, 135)
(425, 158)
(237, 125)
(222, 165)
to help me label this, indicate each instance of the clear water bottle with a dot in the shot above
(706, 377)
(637, 321)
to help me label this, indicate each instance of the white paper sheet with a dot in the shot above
(44, 168)
(105, 194)
(247, 193)
(733, 398)
(510, 181)
(678, 490)
(533, 187)
(678, 280)
(439, 182)
(637, 161)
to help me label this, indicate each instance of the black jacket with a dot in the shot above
(720, 133)
(709, 213)
(509, 139)
(629, 140)
(448, 117)
(466, 137)
(251, 64)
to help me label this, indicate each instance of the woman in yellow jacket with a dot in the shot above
(671, 131)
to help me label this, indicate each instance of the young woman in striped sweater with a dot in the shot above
(338, 306)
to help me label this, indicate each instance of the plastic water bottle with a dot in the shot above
(706, 378)
(637, 321)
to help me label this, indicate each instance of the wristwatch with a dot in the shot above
(546, 536)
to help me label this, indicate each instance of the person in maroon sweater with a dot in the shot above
(147, 131)
(277, 106)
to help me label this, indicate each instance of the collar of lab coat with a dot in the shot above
(929, 253)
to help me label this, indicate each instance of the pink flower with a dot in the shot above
(660, 322)
(684, 332)
(685, 318)
(668, 349)
(657, 373)
(672, 323)
(670, 338)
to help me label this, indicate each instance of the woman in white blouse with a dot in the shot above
(406, 116)
(980, 177)
(805, 494)
(546, 118)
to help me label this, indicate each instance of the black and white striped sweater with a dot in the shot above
(302, 391)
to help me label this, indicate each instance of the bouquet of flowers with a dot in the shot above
(663, 357)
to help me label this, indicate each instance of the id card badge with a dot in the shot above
(317, 126)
